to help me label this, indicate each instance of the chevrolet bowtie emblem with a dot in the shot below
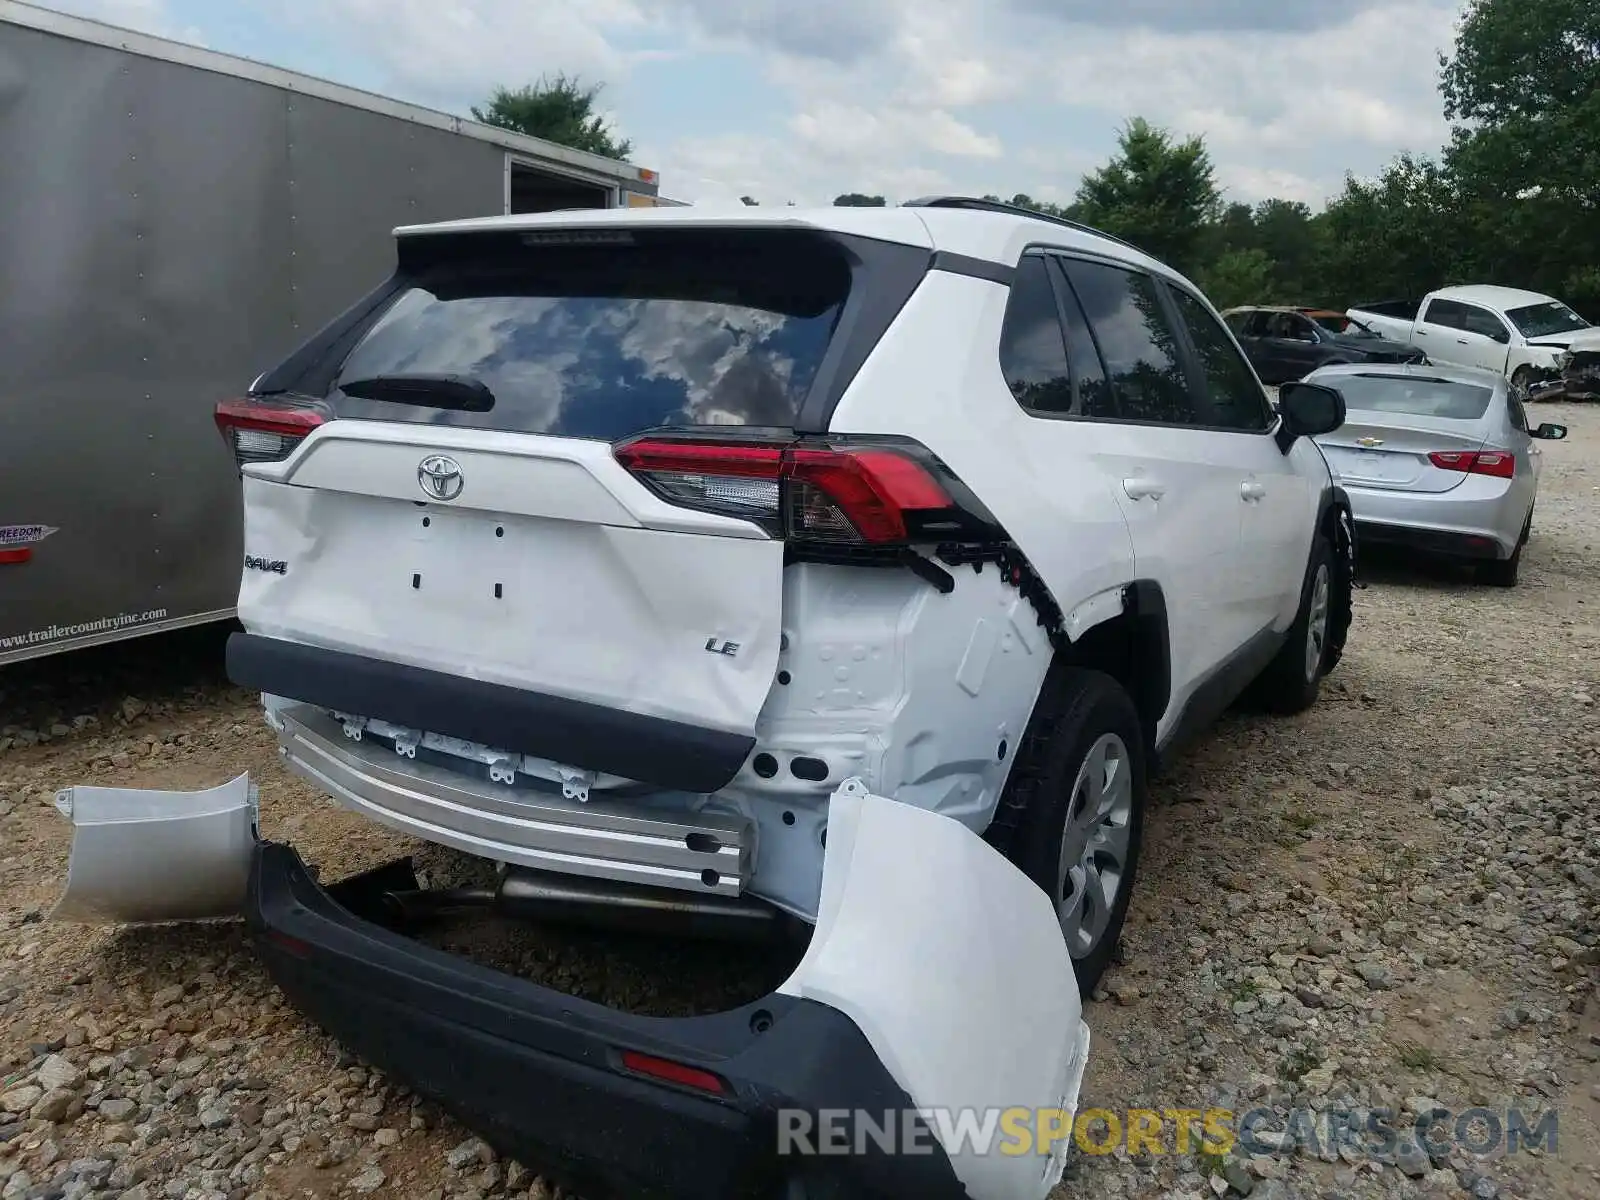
(1369, 442)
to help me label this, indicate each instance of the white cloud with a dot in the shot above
(436, 51)
(901, 98)
(143, 16)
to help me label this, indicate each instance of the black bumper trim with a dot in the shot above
(653, 750)
(538, 1073)
(1430, 541)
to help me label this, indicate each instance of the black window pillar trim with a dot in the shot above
(311, 367)
(883, 278)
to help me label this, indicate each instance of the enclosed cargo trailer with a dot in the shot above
(172, 221)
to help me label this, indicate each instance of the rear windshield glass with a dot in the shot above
(1417, 396)
(604, 341)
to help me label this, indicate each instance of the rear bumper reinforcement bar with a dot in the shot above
(699, 852)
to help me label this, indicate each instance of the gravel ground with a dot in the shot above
(1388, 902)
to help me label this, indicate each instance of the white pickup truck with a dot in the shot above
(1535, 340)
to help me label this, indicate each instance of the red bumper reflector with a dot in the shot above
(290, 945)
(671, 1072)
(16, 554)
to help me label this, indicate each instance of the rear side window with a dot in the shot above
(1138, 346)
(1449, 313)
(1236, 399)
(1032, 352)
(605, 341)
(1413, 395)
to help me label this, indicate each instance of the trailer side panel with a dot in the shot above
(356, 173)
(168, 232)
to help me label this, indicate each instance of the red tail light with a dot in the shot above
(672, 1072)
(871, 495)
(266, 430)
(1499, 463)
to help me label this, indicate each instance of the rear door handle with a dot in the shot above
(1462, 342)
(1251, 491)
(1144, 489)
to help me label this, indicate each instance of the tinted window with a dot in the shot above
(1139, 348)
(1259, 325)
(1519, 415)
(1094, 389)
(1419, 396)
(1236, 399)
(1448, 313)
(607, 341)
(1237, 322)
(1032, 352)
(1482, 321)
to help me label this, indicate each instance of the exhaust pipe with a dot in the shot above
(604, 904)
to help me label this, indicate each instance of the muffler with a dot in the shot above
(604, 904)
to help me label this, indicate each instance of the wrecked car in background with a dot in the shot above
(1542, 346)
(1290, 343)
(730, 571)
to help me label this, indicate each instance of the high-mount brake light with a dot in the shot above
(265, 430)
(1499, 463)
(852, 495)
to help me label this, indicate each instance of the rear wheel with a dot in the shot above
(1072, 816)
(1291, 681)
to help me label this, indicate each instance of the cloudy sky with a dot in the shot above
(799, 100)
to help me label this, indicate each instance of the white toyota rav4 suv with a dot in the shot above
(607, 545)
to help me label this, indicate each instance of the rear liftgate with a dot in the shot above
(892, 939)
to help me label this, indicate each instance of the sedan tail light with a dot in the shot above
(1499, 463)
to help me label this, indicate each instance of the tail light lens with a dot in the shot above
(851, 494)
(1498, 463)
(266, 430)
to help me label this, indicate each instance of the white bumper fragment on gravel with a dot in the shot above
(947, 958)
(143, 855)
(952, 963)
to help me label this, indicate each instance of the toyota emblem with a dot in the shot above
(440, 477)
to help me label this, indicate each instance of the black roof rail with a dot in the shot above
(978, 204)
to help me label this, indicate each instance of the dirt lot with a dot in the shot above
(1392, 901)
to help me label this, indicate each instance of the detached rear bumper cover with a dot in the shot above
(914, 995)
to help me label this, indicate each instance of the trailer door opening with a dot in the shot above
(536, 191)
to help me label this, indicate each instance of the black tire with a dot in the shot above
(1503, 572)
(1077, 712)
(1291, 681)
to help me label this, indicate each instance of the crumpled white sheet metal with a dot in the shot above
(952, 964)
(144, 856)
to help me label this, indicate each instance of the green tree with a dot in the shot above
(1285, 235)
(559, 110)
(1158, 193)
(857, 200)
(1237, 277)
(1393, 237)
(1523, 86)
